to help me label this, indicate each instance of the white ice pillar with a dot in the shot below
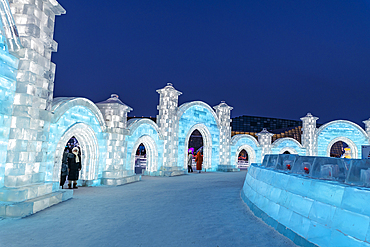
(264, 139)
(309, 134)
(168, 123)
(115, 115)
(223, 112)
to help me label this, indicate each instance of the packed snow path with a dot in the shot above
(192, 210)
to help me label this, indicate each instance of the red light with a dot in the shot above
(306, 170)
(288, 167)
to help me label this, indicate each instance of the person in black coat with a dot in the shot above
(74, 167)
(64, 170)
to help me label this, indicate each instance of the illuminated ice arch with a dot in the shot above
(88, 143)
(207, 146)
(144, 131)
(287, 144)
(199, 115)
(341, 130)
(81, 118)
(247, 143)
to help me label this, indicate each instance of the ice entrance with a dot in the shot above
(140, 159)
(195, 145)
(148, 154)
(72, 143)
(202, 141)
(243, 159)
(286, 152)
(89, 148)
(340, 149)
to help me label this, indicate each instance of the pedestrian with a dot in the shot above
(190, 161)
(64, 170)
(74, 167)
(199, 160)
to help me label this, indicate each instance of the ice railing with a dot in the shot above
(350, 171)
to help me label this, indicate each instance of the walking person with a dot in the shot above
(64, 170)
(74, 167)
(199, 160)
(190, 161)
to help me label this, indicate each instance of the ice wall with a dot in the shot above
(325, 213)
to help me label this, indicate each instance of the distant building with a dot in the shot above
(256, 124)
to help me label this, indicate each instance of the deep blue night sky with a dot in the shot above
(265, 58)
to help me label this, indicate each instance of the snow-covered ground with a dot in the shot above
(192, 210)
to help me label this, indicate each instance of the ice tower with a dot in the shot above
(115, 115)
(264, 139)
(24, 189)
(308, 134)
(223, 112)
(168, 123)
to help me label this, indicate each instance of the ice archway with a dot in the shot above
(341, 130)
(151, 153)
(207, 145)
(198, 115)
(89, 151)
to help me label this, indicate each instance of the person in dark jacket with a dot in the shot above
(64, 170)
(74, 167)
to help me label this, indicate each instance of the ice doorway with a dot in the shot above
(243, 160)
(201, 141)
(195, 147)
(340, 149)
(148, 153)
(89, 150)
(140, 159)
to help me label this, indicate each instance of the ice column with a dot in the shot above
(223, 113)
(367, 127)
(115, 115)
(309, 134)
(168, 123)
(8, 73)
(30, 123)
(264, 139)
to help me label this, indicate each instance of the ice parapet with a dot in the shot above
(359, 172)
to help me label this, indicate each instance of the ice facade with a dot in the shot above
(317, 207)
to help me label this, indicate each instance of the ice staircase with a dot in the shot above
(119, 177)
(26, 200)
(167, 171)
(227, 168)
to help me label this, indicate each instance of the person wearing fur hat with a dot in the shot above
(74, 167)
